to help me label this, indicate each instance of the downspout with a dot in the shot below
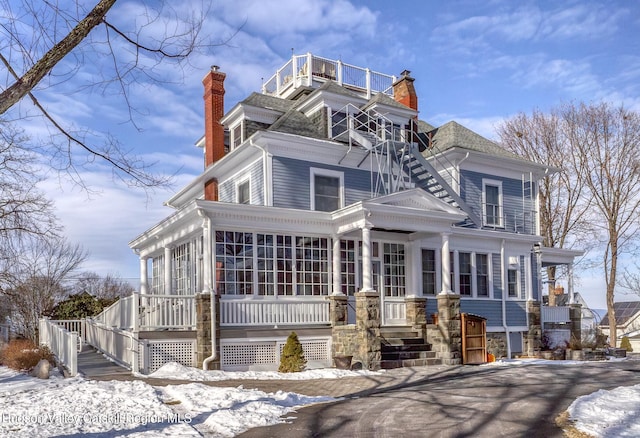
(209, 279)
(458, 179)
(504, 297)
(266, 174)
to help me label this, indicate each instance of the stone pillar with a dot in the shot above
(449, 324)
(417, 314)
(203, 329)
(575, 314)
(368, 328)
(338, 309)
(533, 340)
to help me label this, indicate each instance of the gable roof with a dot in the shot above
(624, 312)
(294, 122)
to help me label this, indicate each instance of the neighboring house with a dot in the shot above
(627, 323)
(327, 207)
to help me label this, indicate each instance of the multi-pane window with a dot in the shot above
(428, 272)
(394, 270)
(492, 203)
(236, 135)
(264, 247)
(157, 275)
(234, 262)
(312, 266)
(326, 192)
(244, 192)
(348, 266)
(183, 269)
(284, 265)
(512, 282)
(464, 273)
(482, 275)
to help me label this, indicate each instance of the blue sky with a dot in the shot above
(474, 62)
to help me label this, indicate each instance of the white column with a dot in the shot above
(336, 267)
(366, 259)
(414, 264)
(446, 265)
(144, 278)
(570, 283)
(206, 257)
(167, 271)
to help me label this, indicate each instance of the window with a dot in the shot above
(348, 266)
(284, 265)
(234, 262)
(157, 275)
(264, 246)
(339, 124)
(428, 272)
(464, 273)
(394, 263)
(512, 282)
(312, 266)
(236, 136)
(184, 268)
(243, 192)
(326, 190)
(492, 203)
(482, 275)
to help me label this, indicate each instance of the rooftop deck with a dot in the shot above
(296, 73)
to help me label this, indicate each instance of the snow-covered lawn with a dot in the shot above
(36, 408)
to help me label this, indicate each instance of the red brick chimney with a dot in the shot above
(213, 130)
(404, 92)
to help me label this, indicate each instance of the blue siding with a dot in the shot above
(516, 313)
(490, 309)
(514, 211)
(497, 276)
(292, 186)
(227, 188)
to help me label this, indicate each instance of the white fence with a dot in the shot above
(120, 314)
(556, 314)
(72, 325)
(120, 345)
(167, 312)
(62, 343)
(274, 312)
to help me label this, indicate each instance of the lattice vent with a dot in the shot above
(158, 353)
(265, 354)
(248, 354)
(314, 350)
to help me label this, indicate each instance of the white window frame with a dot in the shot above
(498, 184)
(239, 183)
(234, 142)
(517, 296)
(329, 173)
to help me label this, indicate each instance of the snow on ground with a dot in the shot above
(31, 408)
(174, 370)
(36, 408)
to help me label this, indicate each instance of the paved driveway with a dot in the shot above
(514, 401)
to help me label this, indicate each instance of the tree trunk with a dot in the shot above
(44, 65)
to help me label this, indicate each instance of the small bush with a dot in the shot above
(292, 359)
(575, 343)
(625, 344)
(24, 355)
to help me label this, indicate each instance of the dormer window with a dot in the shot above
(492, 203)
(243, 192)
(236, 136)
(327, 190)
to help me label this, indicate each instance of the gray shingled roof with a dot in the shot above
(424, 126)
(624, 312)
(269, 102)
(453, 134)
(384, 99)
(294, 122)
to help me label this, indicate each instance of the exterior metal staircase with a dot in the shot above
(398, 164)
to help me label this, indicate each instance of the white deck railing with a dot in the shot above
(556, 314)
(274, 312)
(120, 314)
(71, 325)
(120, 345)
(167, 312)
(62, 343)
(297, 72)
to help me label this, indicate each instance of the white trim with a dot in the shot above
(492, 183)
(315, 171)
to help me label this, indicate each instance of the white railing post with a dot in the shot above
(135, 306)
(309, 69)
(368, 83)
(339, 67)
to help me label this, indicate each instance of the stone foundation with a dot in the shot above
(417, 314)
(497, 345)
(532, 341)
(449, 326)
(575, 315)
(338, 310)
(203, 330)
(368, 329)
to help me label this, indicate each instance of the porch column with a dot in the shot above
(366, 258)
(446, 266)
(206, 257)
(167, 270)
(144, 279)
(336, 267)
(414, 264)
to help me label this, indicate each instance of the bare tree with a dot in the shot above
(607, 142)
(543, 138)
(34, 274)
(107, 286)
(37, 35)
(23, 208)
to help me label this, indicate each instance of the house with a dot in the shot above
(627, 323)
(326, 206)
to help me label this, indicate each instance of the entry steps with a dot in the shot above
(405, 348)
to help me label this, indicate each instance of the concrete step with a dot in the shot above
(390, 364)
(422, 346)
(403, 355)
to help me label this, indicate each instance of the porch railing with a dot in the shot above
(120, 314)
(62, 343)
(555, 314)
(72, 325)
(274, 312)
(121, 346)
